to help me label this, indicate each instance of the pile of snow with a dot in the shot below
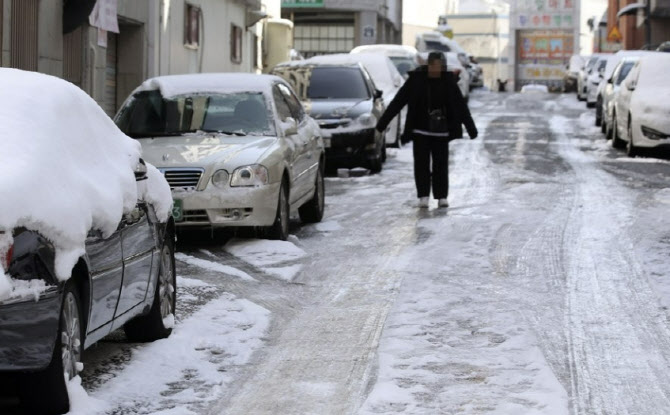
(274, 257)
(537, 88)
(213, 266)
(65, 166)
(649, 102)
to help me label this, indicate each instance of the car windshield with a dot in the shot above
(337, 83)
(403, 64)
(148, 114)
(602, 64)
(591, 62)
(438, 46)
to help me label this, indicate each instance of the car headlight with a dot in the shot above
(652, 134)
(220, 178)
(254, 175)
(367, 120)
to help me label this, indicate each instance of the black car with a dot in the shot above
(343, 99)
(58, 298)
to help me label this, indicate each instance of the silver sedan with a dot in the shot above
(238, 150)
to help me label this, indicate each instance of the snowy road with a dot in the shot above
(541, 290)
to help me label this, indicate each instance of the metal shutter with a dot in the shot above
(23, 52)
(73, 46)
(110, 75)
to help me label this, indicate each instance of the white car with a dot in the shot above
(454, 66)
(596, 76)
(611, 91)
(584, 74)
(641, 117)
(403, 57)
(385, 77)
(436, 41)
(238, 150)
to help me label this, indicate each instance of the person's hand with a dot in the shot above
(472, 134)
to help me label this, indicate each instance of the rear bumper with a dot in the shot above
(28, 332)
(232, 206)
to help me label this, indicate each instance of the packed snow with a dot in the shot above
(213, 266)
(66, 166)
(274, 257)
(537, 88)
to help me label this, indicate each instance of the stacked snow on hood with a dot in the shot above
(65, 168)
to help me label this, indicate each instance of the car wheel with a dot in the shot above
(631, 150)
(157, 324)
(45, 392)
(616, 141)
(608, 130)
(603, 126)
(599, 112)
(312, 211)
(384, 152)
(279, 229)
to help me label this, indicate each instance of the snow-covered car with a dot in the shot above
(612, 62)
(594, 79)
(385, 77)
(436, 41)
(641, 117)
(454, 66)
(403, 57)
(87, 242)
(584, 74)
(570, 80)
(238, 150)
(345, 102)
(610, 91)
(476, 73)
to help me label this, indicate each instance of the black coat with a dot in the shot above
(414, 94)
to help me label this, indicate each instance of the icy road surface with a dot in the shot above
(541, 290)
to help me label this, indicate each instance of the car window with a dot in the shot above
(149, 114)
(337, 83)
(283, 109)
(403, 64)
(294, 105)
(624, 70)
(438, 46)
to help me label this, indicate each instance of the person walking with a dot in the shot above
(435, 115)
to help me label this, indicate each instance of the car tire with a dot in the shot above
(590, 104)
(153, 326)
(603, 126)
(631, 150)
(279, 229)
(312, 211)
(616, 141)
(599, 112)
(45, 392)
(384, 152)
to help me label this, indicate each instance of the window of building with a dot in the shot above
(319, 39)
(192, 26)
(23, 35)
(236, 43)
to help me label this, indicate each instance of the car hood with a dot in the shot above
(204, 150)
(336, 109)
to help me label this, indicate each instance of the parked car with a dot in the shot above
(476, 73)
(594, 79)
(385, 77)
(435, 41)
(454, 66)
(611, 91)
(641, 117)
(584, 74)
(346, 104)
(403, 57)
(237, 149)
(87, 243)
(570, 80)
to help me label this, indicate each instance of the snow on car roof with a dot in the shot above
(389, 50)
(654, 71)
(614, 59)
(65, 167)
(173, 85)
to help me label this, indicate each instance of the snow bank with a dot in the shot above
(65, 165)
(270, 256)
(534, 88)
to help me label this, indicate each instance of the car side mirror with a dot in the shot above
(141, 171)
(378, 93)
(290, 126)
(631, 85)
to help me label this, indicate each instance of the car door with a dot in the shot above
(623, 101)
(105, 261)
(297, 146)
(138, 245)
(311, 136)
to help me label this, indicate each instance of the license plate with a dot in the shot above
(178, 210)
(326, 142)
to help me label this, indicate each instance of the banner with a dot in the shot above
(103, 16)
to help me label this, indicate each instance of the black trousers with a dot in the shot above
(435, 151)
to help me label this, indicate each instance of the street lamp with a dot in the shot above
(633, 9)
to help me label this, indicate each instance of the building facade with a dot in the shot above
(632, 27)
(109, 47)
(337, 26)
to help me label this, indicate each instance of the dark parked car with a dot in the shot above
(123, 276)
(343, 99)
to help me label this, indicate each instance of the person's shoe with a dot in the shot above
(423, 202)
(442, 203)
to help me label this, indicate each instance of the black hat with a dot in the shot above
(435, 56)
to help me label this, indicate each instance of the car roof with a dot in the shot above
(173, 85)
